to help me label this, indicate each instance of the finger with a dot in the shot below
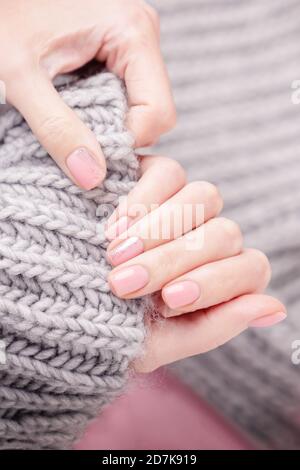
(60, 131)
(217, 283)
(152, 109)
(149, 272)
(198, 332)
(152, 13)
(193, 205)
(161, 178)
(136, 57)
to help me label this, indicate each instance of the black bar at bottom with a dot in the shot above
(135, 458)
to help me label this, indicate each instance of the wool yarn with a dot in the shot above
(68, 340)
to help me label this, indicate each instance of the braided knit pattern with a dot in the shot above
(69, 341)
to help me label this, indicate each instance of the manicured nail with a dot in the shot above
(128, 280)
(116, 229)
(126, 250)
(181, 293)
(84, 169)
(268, 320)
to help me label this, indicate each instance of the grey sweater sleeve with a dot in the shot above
(68, 342)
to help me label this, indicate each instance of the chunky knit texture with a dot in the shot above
(69, 341)
(232, 63)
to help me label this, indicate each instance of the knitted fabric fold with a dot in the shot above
(68, 340)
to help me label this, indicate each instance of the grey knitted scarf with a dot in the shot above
(68, 341)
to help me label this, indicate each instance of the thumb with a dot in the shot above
(59, 130)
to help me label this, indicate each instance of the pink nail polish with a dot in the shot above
(181, 293)
(84, 169)
(128, 280)
(126, 250)
(117, 228)
(268, 320)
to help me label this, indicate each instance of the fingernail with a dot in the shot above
(84, 169)
(117, 228)
(180, 294)
(126, 250)
(268, 320)
(128, 280)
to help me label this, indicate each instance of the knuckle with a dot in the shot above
(196, 187)
(263, 266)
(213, 194)
(53, 127)
(165, 258)
(154, 15)
(131, 35)
(174, 169)
(137, 22)
(158, 119)
(171, 117)
(207, 190)
(231, 230)
(164, 116)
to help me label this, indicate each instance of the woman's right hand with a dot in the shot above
(167, 238)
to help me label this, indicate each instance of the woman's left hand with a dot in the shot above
(167, 238)
(41, 39)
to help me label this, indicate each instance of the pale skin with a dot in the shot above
(206, 294)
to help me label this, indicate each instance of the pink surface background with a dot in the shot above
(158, 412)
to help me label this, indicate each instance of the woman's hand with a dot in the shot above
(210, 287)
(43, 38)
